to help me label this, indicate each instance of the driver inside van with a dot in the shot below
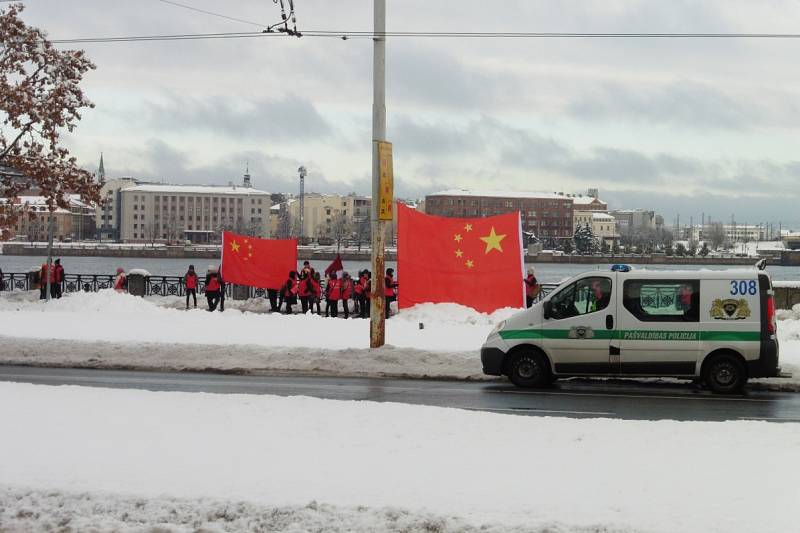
(601, 294)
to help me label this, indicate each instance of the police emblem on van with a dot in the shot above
(581, 332)
(730, 309)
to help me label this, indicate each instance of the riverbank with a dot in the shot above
(160, 251)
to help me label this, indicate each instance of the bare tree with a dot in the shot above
(341, 229)
(716, 234)
(363, 231)
(151, 231)
(172, 229)
(40, 98)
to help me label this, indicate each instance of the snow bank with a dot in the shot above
(511, 472)
(111, 316)
(51, 510)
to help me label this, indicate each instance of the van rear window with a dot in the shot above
(662, 300)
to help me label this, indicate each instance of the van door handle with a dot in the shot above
(609, 321)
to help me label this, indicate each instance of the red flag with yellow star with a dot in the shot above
(262, 263)
(475, 262)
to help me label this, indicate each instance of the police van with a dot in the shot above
(716, 326)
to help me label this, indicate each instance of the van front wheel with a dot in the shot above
(725, 374)
(529, 369)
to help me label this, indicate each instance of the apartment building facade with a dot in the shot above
(548, 216)
(322, 212)
(194, 213)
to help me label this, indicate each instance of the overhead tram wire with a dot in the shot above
(416, 34)
(213, 14)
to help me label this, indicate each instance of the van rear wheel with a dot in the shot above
(530, 369)
(725, 374)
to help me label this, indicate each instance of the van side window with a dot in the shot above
(663, 300)
(587, 295)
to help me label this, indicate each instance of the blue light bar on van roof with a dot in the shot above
(620, 268)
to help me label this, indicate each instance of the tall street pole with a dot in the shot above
(377, 330)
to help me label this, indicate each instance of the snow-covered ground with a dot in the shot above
(112, 330)
(87, 457)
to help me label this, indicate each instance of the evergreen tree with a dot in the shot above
(584, 239)
(680, 249)
(704, 250)
(567, 246)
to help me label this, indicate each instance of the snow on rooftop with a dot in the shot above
(602, 216)
(585, 200)
(500, 194)
(196, 189)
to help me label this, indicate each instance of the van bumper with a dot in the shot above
(492, 360)
(766, 366)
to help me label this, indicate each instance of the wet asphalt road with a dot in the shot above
(584, 399)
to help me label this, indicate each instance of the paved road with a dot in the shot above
(629, 401)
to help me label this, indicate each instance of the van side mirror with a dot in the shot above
(548, 309)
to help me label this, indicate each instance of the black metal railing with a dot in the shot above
(154, 286)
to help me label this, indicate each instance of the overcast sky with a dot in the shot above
(686, 126)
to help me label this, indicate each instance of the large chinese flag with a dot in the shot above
(475, 262)
(262, 263)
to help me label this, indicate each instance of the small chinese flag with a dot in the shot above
(475, 262)
(262, 263)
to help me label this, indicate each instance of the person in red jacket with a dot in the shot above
(347, 293)
(213, 288)
(333, 293)
(289, 292)
(58, 280)
(390, 290)
(316, 294)
(121, 281)
(45, 273)
(190, 280)
(531, 288)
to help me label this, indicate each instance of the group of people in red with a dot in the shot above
(306, 286)
(56, 277)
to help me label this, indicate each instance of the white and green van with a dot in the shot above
(717, 326)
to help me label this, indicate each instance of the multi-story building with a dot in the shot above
(195, 213)
(109, 214)
(589, 203)
(75, 223)
(325, 214)
(630, 221)
(548, 216)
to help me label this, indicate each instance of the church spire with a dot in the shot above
(247, 183)
(101, 171)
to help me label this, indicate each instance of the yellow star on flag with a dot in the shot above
(470, 263)
(234, 246)
(457, 237)
(468, 227)
(493, 241)
(459, 253)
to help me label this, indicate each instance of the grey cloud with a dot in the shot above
(159, 161)
(679, 103)
(290, 119)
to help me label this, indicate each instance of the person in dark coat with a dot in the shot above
(272, 294)
(213, 286)
(221, 290)
(365, 283)
(58, 280)
(190, 281)
(289, 292)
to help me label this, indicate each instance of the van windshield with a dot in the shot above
(587, 295)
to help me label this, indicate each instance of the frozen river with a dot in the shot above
(546, 273)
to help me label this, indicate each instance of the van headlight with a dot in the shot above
(500, 325)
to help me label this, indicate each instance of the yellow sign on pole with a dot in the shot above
(386, 196)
